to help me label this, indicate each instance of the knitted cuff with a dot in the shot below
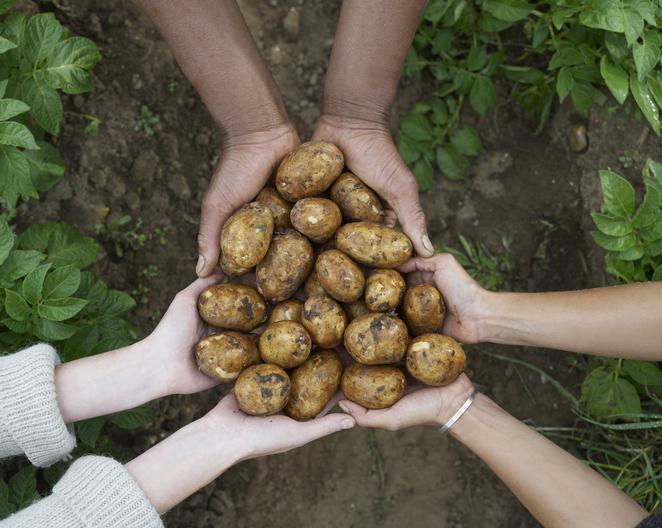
(103, 495)
(30, 419)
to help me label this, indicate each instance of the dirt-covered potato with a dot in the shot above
(373, 386)
(384, 289)
(374, 245)
(245, 238)
(309, 170)
(224, 355)
(280, 208)
(232, 306)
(376, 339)
(340, 277)
(285, 343)
(262, 389)
(289, 310)
(286, 265)
(357, 201)
(355, 309)
(314, 383)
(317, 218)
(325, 321)
(435, 359)
(313, 287)
(423, 309)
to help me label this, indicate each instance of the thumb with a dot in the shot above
(323, 426)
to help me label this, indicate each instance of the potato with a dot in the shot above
(309, 170)
(435, 359)
(317, 218)
(245, 238)
(423, 309)
(285, 343)
(286, 265)
(280, 208)
(356, 200)
(373, 386)
(312, 287)
(374, 245)
(340, 277)
(376, 339)
(289, 310)
(313, 385)
(232, 306)
(355, 309)
(262, 389)
(325, 320)
(384, 290)
(224, 355)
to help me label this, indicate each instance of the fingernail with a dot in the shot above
(427, 244)
(347, 423)
(200, 265)
(343, 407)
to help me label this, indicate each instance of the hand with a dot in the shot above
(246, 164)
(372, 156)
(465, 299)
(425, 406)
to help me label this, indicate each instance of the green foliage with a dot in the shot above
(123, 233)
(38, 61)
(542, 49)
(146, 121)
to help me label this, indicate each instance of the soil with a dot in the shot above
(532, 189)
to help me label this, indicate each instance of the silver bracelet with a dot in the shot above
(444, 428)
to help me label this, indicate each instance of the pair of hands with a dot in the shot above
(181, 328)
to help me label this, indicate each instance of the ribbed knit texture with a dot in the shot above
(96, 492)
(30, 420)
(654, 521)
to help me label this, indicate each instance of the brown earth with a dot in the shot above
(532, 189)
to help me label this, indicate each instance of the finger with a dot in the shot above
(419, 264)
(198, 286)
(323, 426)
(381, 418)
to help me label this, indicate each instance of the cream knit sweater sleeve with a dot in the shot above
(96, 492)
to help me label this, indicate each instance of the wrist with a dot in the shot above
(347, 109)
(455, 395)
(231, 450)
(494, 310)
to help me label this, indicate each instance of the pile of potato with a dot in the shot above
(293, 238)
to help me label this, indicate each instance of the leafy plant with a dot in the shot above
(146, 121)
(123, 234)
(582, 49)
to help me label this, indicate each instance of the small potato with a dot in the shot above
(289, 310)
(286, 265)
(435, 359)
(232, 306)
(309, 170)
(262, 389)
(373, 386)
(285, 343)
(317, 218)
(245, 238)
(355, 309)
(376, 339)
(374, 245)
(423, 309)
(312, 287)
(325, 320)
(384, 290)
(313, 385)
(357, 201)
(224, 355)
(280, 209)
(340, 277)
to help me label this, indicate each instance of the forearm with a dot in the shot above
(555, 487)
(214, 48)
(369, 50)
(621, 321)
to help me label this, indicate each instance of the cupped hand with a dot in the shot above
(465, 299)
(246, 164)
(373, 157)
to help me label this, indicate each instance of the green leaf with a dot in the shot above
(564, 83)
(6, 507)
(652, 233)
(582, 94)
(649, 210)
(633, 26)
(7, 239)
(68, 68)
(603, 14)
(617, 193)
(16, 135)
(33, 285)
(3, 87)
(643, 372)
(23, 487)
(62, 282)
(6, 5)
(45, 104)
(423, 173)
(633, 253)
(646, 54)
(53, 331)
(81, 344)
(523, 74)
(60, 309)
(614, 243)
(605, 395)
(466, 141)
(612, 226)
(88, 430)
(508, 10)
(482, 96)
(6, 45)
(36, 237)
(477, 58)
(416, 127)
(616, 79)
(645, 102)
(616, 45)
(657, 274)
(451, 163)
(133, 418)
(11, 107)
(19, 263)
(655, 87)
(16, 181)
(621, 269)
(653, 175)
(566, 56)
(16, 307)
(42, 33)
(540, 34)
(46, 166)
(436, 10)
(67, 247)
(408, 149)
